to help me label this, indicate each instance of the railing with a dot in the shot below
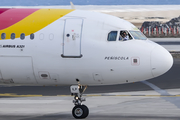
(161, 31)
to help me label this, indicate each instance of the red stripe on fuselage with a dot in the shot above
(9, 17)
(3, 10)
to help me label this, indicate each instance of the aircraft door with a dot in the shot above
(72, 38)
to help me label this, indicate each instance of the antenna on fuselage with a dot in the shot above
(72, 5)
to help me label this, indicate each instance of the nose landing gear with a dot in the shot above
(80, 111)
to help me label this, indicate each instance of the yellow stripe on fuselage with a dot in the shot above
(35, 22)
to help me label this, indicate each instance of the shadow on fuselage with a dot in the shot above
(169, 80)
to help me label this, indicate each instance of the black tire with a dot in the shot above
(86, 111)
(80, 111)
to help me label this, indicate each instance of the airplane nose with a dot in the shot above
(161, 61)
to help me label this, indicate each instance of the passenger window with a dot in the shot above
(3, 36)
(32, 36)
(112, 36)
(22, 36)
(124, 35)
(13, 36)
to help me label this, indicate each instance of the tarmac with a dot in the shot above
(171, 44)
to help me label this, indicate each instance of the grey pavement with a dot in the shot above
(101, 107)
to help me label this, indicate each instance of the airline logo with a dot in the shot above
(27, 21)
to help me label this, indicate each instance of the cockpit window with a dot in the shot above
(138, 35)
(124, 35)
(112, 36)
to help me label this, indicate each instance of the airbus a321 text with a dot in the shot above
(75, 48)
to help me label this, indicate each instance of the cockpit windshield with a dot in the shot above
(138, 35)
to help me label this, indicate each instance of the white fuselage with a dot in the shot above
(75, 48)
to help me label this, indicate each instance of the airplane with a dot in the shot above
(55, 47)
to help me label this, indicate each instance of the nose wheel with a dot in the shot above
(79, 111)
